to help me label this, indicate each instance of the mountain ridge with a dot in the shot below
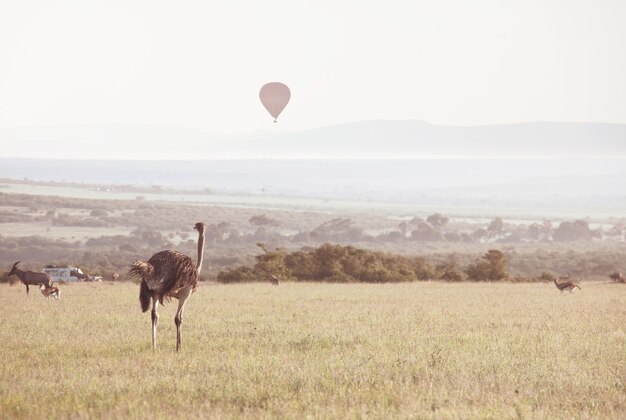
(372, 139)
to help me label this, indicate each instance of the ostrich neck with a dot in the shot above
(200, 252)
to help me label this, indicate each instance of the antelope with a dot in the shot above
(48, 291)
(565, 285)
(617, 277)
(30, 278)
(274, 280)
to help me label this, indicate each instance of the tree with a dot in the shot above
(546, 276)
(422, 268)
(271, 263)
(405, 228)
(449, 271)
(151, 238)
(393, 236)
(452, 236)
(616, 232)
(99, 213)
(408, 225)
(437, 220)
(236, 275)
(337, 230)
(425, 232)
(263, 220)
(572, 231)
(480, 235)
(492, 266)
(495, 228)
(540, 231)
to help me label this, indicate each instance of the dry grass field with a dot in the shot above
(321, 350)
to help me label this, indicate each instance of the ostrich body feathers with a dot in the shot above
(164, 275)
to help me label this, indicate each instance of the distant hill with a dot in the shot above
(367, 139)
(415, 139)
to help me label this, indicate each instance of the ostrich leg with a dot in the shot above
(27, 290)
(178, 320)
(155, 319)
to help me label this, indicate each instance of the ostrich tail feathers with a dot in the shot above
(144, 296)
(142, 270)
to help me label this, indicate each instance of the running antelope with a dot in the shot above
(48, 291)
(565, 285)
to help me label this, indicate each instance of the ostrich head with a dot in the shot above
(199, 227)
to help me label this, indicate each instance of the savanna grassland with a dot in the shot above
(422, 349)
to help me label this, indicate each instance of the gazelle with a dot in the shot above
(565, 285)
(48, 291)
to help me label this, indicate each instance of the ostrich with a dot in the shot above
(30, 278)
(48, 291)
(168, 274)
(564, 284)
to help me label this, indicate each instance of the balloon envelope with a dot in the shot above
(275, 97)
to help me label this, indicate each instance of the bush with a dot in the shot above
(545, 276)
(449, 272)
(236, 275)
(423, 270)
(572, 231)
(332, 263)
(490, 267)
(99, 213)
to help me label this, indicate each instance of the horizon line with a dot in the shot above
(403, 158)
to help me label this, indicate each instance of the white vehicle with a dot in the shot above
(66, 274)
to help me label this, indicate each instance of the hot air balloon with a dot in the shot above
(274, 97)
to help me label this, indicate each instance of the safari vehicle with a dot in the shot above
(66, 274)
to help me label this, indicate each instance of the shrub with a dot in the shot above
(491, 267)
(99, 213)
(332, 263)
(545, 276)
(572, 231)
(236, 275)
(449, 272)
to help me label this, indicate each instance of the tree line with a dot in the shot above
(348, 264)
(270, 229)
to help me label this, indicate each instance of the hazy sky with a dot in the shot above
(201, 63)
